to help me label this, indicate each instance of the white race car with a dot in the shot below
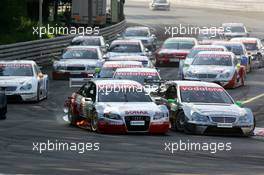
(23, 81)
(78, 62)
(218, 67)
(90, 41)
(233, 30)
(126, 47)
(204, 108)
(185, 64)
(116, 106)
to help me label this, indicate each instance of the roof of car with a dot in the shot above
(126, 41)
(129, 58)
(181, 38)
(229, 43)
(122, 63)
(208, 46)
(136, 70)
(86, 37)
(101, 82)
(18, 62)
(215, 53)
(244, 39)
(83, 47)
(194, 83)
(233, 24)
(138, 28)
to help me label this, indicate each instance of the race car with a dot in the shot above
(239, 50)
(23, 81)
(90, 41)
(174, 49)
(116, 106)
(127, 47)
(218, 67)
(142, 33)
(143, 59)
(109, 67)
(208, 36)
(77, 62)
(159, 5)
(255, 49)
(233, 30)
(184, 64)
(204, 108)
(3, 104)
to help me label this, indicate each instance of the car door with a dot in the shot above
(79, 99)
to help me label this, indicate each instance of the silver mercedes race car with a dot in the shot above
(233, 30)
(204, 108)
(159, 5)
(142, 33)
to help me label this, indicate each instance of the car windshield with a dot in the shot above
(237, 50)
(107, 72)
(125, 48)
(251, 46)
(194, 52)
(140, 33)
(160, 1)
(80, 54)
(16, 70)
(184, 45)
(124, 95)
(87, 42)
(193, 94)
(138, 77)
(213, 60)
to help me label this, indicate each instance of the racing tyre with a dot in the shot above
(71, 117)
(38, 94)
(180, 122)
(94, 122)
(3, 113)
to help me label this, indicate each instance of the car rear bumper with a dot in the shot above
(57, 75)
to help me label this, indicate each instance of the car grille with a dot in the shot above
(223, 119)
(71, 68)
(137, 118)
(206, 75)
(11, 88)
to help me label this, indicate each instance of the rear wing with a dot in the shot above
(78, 82)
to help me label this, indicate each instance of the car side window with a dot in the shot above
(171, 92)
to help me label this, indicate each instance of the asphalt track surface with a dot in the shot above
(131, 154)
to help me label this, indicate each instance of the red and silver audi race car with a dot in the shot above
(174, 50)
(116, 106)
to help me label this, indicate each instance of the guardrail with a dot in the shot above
(42, 51)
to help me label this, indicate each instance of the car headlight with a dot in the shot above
(26, 87)
(225, 75)
(159, 115)
(244, 119)
(199, 118)
(113, 116)
(59, 67)
(189, 74)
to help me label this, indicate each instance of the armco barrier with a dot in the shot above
(42, 51)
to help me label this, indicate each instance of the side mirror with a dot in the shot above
(118, 35)
(239, 103)
(146, 50)
(170, 101)
(105, 57)
(88, 100)
(107, 45)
